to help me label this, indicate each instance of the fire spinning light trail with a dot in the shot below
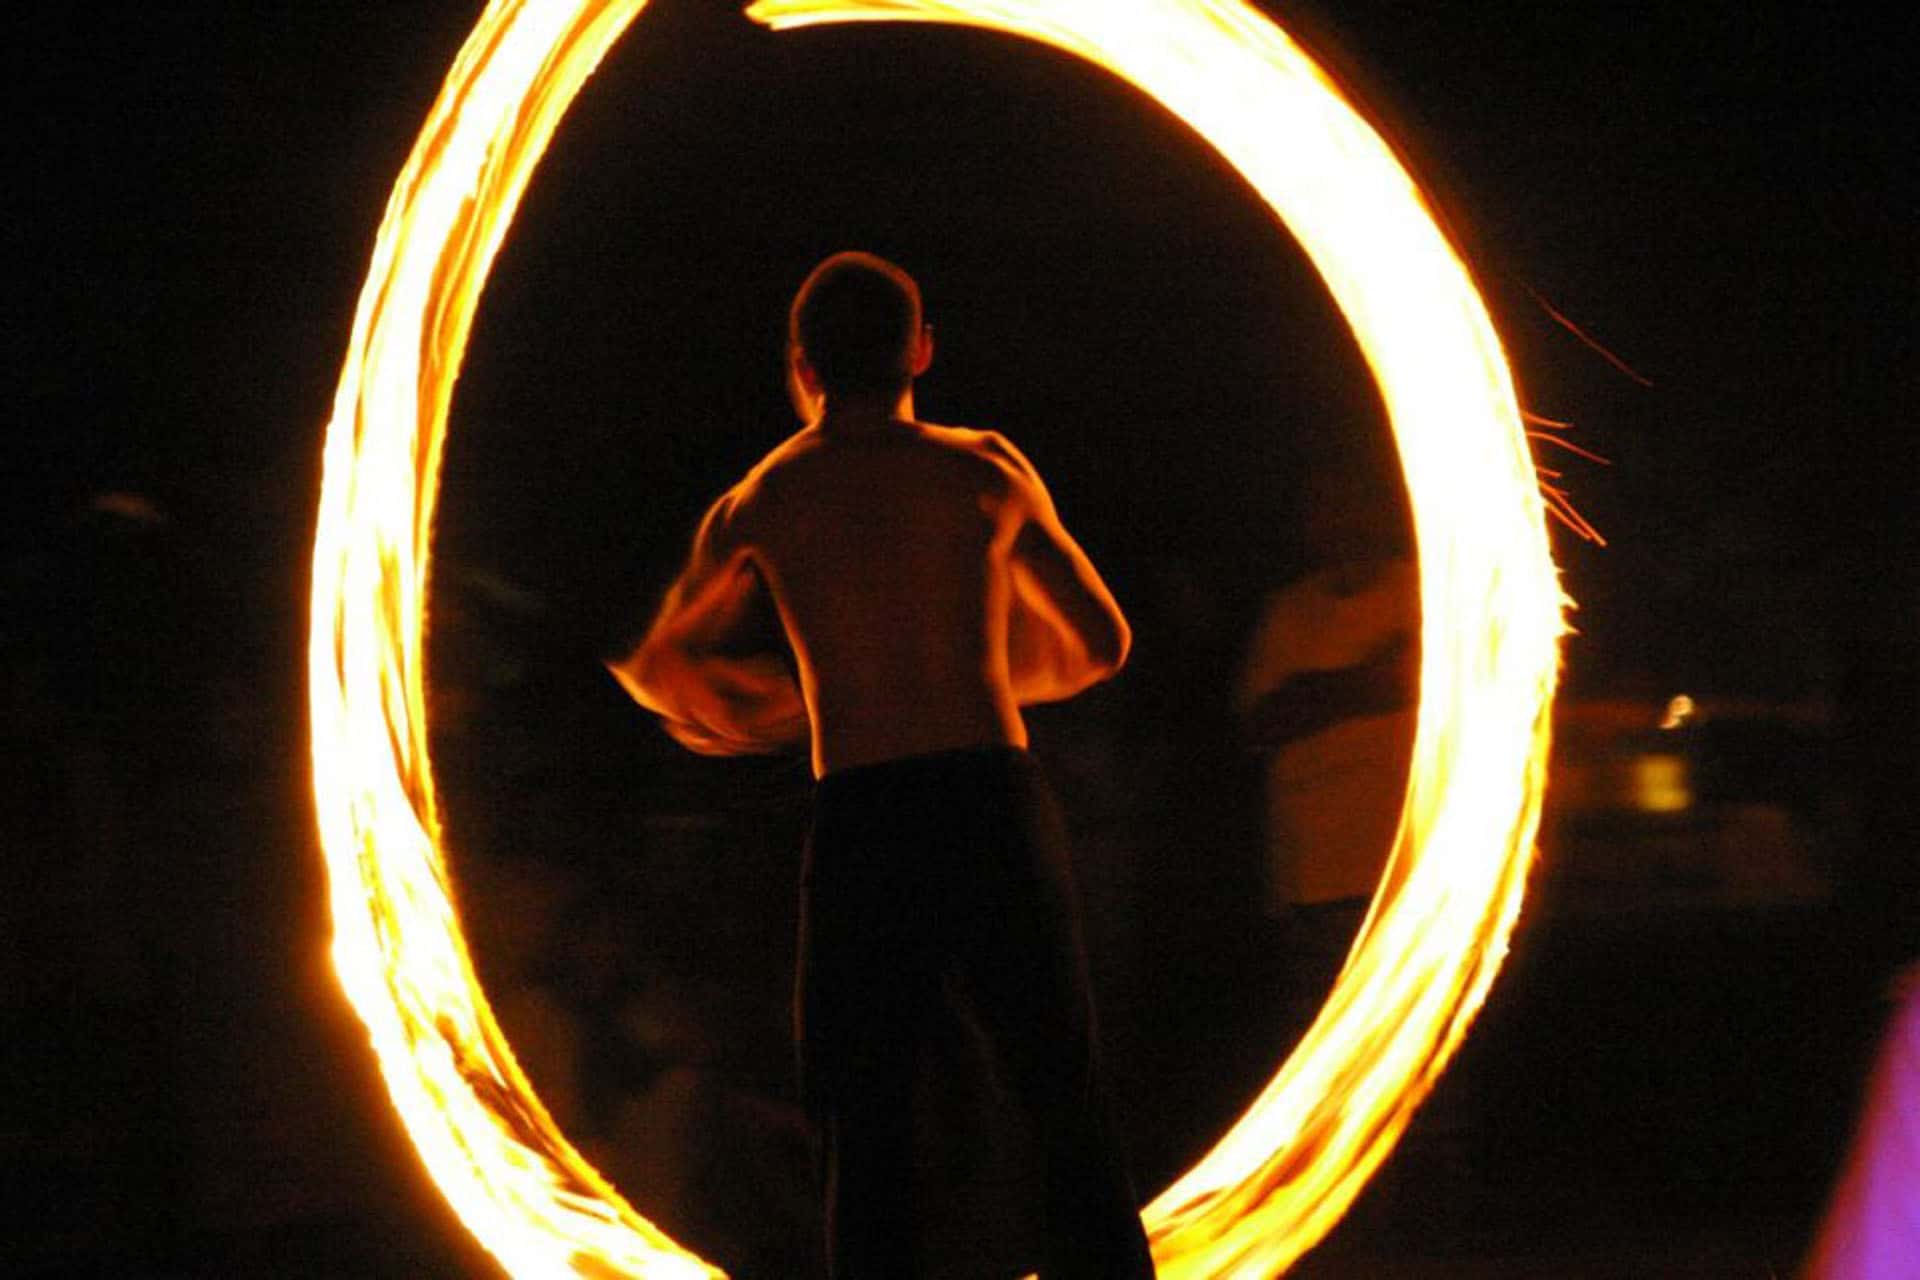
(1285, 1172)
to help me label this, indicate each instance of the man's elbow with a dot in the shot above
(639, 674)
(1111, 649)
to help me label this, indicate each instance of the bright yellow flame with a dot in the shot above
(1287, 1170)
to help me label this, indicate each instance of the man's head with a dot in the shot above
(856, 331)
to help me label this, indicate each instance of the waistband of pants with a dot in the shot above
(905, 770)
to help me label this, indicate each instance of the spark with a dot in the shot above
(1548, 437)
(1586, 339)
(1283, 1174)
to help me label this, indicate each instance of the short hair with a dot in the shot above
(856, 318)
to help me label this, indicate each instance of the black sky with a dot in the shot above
(1707, 189)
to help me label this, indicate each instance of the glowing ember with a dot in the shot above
(1286, 1170)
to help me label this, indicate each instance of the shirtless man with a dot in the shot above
(926, 590)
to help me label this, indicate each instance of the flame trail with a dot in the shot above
(1285, 1172)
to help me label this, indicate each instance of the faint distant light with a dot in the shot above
(1660, 783)
(1678, 713)
(137, 507)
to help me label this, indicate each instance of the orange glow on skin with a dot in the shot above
(762, 580)
(1286, 1170)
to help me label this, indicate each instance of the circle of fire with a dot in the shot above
(1422, 963)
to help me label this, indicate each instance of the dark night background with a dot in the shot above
(1661, 1082)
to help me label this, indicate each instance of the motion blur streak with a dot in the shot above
(1284, 1173)
(508, 1171)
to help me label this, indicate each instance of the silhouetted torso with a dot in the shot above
(886, 547)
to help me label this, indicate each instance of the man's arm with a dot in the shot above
(1065, 631)
(709, 665)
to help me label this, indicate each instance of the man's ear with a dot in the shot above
(803, 372)
(803, 387)
(923, 350)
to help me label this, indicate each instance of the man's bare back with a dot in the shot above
(920, 576)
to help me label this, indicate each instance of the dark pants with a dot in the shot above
(923, 876)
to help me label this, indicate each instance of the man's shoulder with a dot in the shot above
(802, 466)
(750, 490)
(996, 469)
(965, 439)
(986, 444)
(785, 454)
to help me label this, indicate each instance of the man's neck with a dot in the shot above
(864, 413)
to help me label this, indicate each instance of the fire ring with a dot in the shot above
(1283, 1174)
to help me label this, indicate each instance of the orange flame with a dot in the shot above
(1285, 1172)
